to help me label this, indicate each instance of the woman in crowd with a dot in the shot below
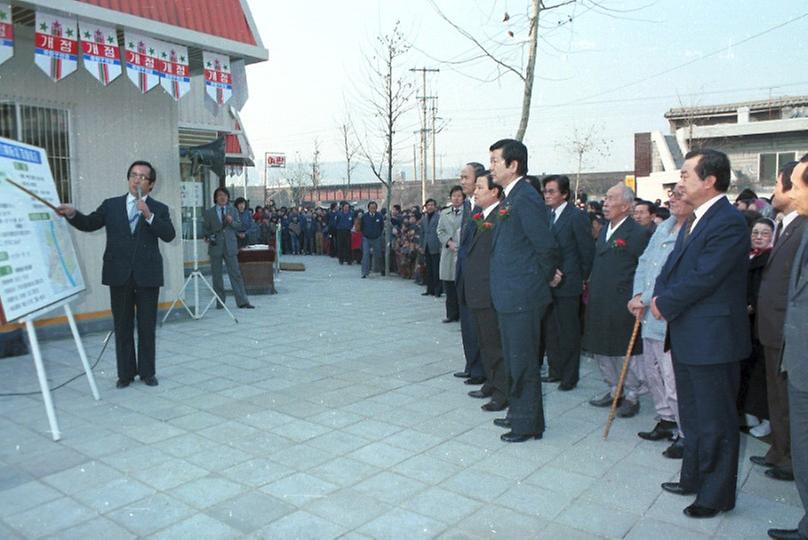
(248, 232)
(752, 400)
(295, 232)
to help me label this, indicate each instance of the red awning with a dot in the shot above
(223, 18)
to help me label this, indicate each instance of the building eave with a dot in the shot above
(182, 36)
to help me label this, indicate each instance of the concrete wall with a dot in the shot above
(109, 128)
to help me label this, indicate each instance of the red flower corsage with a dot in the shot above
(504, 212)
(619, 244)
(481, 223)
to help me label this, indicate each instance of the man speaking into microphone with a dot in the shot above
(133, 267)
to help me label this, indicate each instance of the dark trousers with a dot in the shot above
(798, 401)
(486, 327)
(779, 453)
(432, 281)
(332, 244)
(708, 418)
(752, 389)
(129, 302)
(344, 246)
(562, 334)
(471, 347)
(452, 305)
(520, 333)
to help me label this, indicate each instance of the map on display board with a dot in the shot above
(38, 263)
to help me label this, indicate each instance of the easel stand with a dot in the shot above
(40, 368)
(195, 277)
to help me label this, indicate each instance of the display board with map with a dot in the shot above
(38, 264)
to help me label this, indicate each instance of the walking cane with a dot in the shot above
(622, 378)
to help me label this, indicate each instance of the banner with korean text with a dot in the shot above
(100, 51)
(56, 44)
(141, 61)
(6, 33)
(218, 80)
(172, 63)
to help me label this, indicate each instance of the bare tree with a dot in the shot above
(387, 100)
(582, 144)
(349, 146)
(315, 164)
(298, 181)
(527, 72)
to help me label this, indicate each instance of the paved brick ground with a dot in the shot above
(330, 411)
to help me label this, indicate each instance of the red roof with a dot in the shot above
(223, 18)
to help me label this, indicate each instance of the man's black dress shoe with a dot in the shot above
(663, 430)
(150, 381)
(550, 379)
(786, 534)
(675, 450)
(696, 511)
(515, 437)
(564, 387)
(604, 401)
(778, 473)
(502, 422)
(462, 375)
(426, 294)
(448, 320)
(760, 460)
(123, 383)
(494, 406)
(676, 488)
(479, 394)
(219, 305)
(474, 380)
(247, 306)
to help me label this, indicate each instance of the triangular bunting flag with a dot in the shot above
(56, 44)
(100, 51)
(6, 33)
(175, 76)
(218, 81)
(141, 61)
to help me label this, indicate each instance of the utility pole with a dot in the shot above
(434, 132)
(424, 129)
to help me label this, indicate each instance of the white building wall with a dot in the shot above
(109, 128)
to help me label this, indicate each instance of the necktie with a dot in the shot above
(552, 217)
(689, 222)
(777, 233)
(133, 215)
(222, 216)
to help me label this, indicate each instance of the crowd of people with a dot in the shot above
(535, 274)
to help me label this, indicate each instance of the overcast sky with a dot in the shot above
(616, 72)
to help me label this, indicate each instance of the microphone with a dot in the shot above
(139, 191)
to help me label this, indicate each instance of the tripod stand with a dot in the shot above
(195, 277)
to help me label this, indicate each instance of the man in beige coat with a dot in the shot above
(451, 218)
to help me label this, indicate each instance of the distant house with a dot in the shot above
(93, 131)
(758, 136)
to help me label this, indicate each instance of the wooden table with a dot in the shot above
(257, 270)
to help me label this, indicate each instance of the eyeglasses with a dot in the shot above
(761, 233)
(137, 176)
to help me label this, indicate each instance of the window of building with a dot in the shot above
(45, 127)
(770, 164)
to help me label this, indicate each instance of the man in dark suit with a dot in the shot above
(524, 257)
(474, 291)
(430, 244)
(562, 323)
(771, 311)
(795, 364)
(133, 267)
(608, 325)
(473, 371)
(701, 293)
(220, 224)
